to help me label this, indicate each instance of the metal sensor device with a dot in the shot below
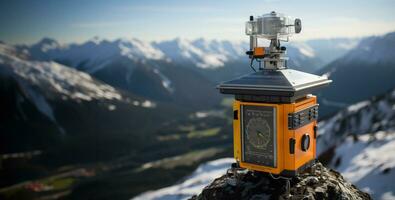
(274, 113)
(275, 27)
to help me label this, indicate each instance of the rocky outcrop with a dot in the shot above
(317, 182)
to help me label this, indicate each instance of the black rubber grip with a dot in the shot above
(292, 145)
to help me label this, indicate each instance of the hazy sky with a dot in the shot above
(79, 20)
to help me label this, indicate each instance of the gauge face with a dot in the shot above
(259, 135)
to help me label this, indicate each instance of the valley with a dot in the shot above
(111, 116)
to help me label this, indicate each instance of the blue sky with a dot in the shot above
(79, 20)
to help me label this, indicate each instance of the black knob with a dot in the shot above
(249, 53)
(251, 18)
(283, 48)
(305, 142)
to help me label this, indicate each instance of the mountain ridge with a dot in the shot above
(121, 62)
(357, 73)
(202, 52)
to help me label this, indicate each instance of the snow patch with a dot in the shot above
(47, 47)
(148, 104)
(359, 118)
(111, 107)
(369, 162)
(304, 49)
(166, 83)
(202, 53)
(193, 184)
(348, 45)
(307, 52)
(135, 49)
(64, 80)
(358, 106)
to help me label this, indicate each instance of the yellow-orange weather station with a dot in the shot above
(274, 114)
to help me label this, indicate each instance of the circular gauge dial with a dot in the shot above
(258, 133)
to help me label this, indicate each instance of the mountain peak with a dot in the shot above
(200, 52)
(181, 42)
(317, 183)
(390, 35)
(134, 48)
(374, 49)
(46, 44)
(47, 40)
(96, 39)
(202, 40)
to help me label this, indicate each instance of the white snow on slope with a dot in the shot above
(49, 46)
(166, 83)
(96, 53)
(6, 49)
(202, 53)
(348, 45)
(304, 49)
(374, 49)
(360, 118)
(367, 159)
(136, 48)
(64, 81)
(369, 163)
(11, 50)
(358, 106)
(193, 184)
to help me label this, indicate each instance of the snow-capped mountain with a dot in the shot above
(149, 69)
(43, 100)
(313, 55)
(302, 57)
(96, 52)
(130, 65)
(12, 50)
(93, 54)
(369, 116)
(202, 53)
(66, 82)
(373, 50)
(365, 71)
(359, 142)
(368, 161)
(328, 50)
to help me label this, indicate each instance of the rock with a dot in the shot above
(320, 193)
(386, 170)
(311, 180)
(320, 183)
